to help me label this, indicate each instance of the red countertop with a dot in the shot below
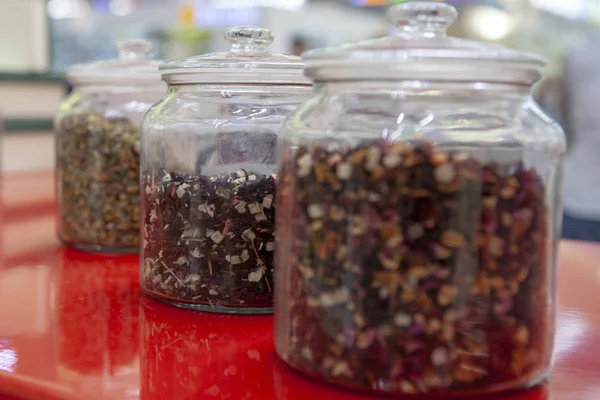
(74, 325)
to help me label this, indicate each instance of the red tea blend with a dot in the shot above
(412, 270)
(209, 240)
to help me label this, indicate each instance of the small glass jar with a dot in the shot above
(417, 216)
(98, 149)
(209, 174)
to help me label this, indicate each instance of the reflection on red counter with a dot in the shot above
(105, 294)
(194, 355)
(98, 310)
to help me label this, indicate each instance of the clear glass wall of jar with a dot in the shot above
(417, 216)
(98, 149)
(209, 175)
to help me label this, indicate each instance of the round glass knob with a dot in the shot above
(423, 16)
(249, 38)
(134, 49)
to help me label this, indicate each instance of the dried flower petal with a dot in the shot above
(424, 272)
(315, 211)
(344, 171)
(402, 320)
(445, 173)
(208, 262)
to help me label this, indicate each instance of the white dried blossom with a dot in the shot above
(196, 253)
(167, 178)
(181, 260)
(149, 189)
(344, 171)
(341, 369)
(182, 189)
(306, 352)
(268, 201)
(270, 246)
(304, 165)
(248, 235)
(392, 160)
(315, 211)
(213, 292)
(415, 231)
(207, 209)
(373, 197)
(261, 217)
(402, 320)
(445, 173)
(217, 237)
(251, 177)
(255, 208)
(439, 356)
(334, 297)
(235, 260)
(209, 232)
(241, 207)
(193, 278)
(384, 293)
(373, 156)
(256, 276)
(245, 255)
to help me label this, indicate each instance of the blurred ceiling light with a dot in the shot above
(572, 9)
(291, 5)
(120, 7)
(59, 9)
(488, 23)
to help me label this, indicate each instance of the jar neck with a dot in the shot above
(507, 98)
(218, 88)
(116, 89)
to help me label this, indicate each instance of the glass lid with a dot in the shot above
(423, 50)
(248, 61)
(133, 66)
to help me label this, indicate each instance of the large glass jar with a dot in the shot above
(98, 149)
(209, 174)
(417, 216)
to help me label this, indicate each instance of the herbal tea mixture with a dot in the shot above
(209, 240)
(98, 181)
(413, 270)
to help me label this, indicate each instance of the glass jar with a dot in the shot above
(98, 149)
(209, 173)
(417, 216)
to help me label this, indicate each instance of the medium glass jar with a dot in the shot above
(209, 174)
(98, 149)
(417, 216)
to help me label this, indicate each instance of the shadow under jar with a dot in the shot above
(417, 216)
(98, 149)
(209, 175)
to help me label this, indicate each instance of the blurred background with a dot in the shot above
(40, 38)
